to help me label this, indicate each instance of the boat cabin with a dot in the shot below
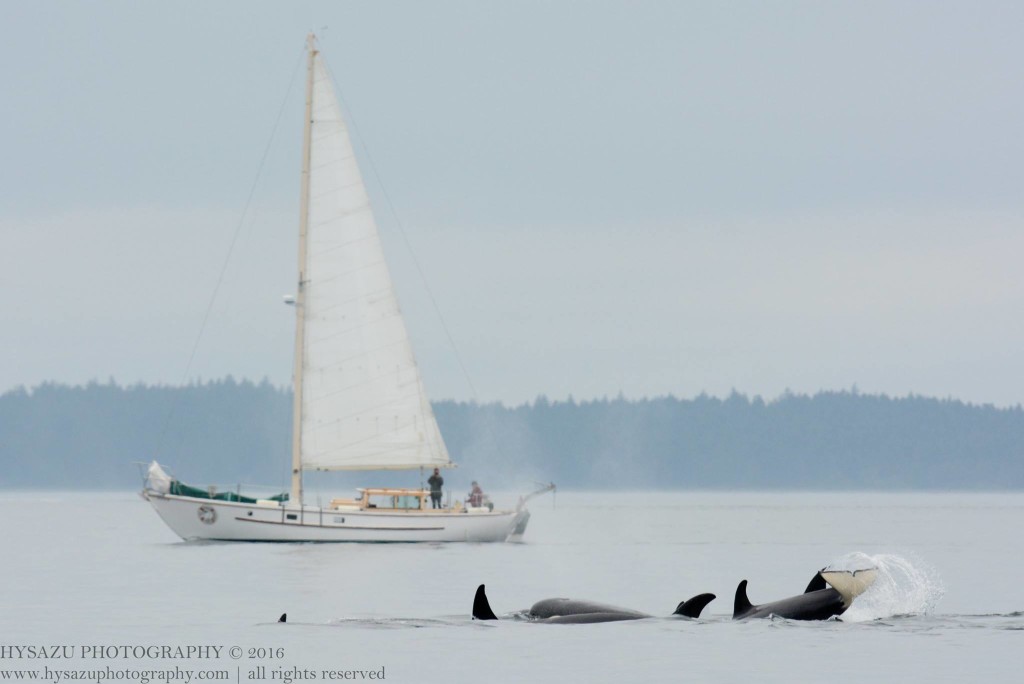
(386, 499)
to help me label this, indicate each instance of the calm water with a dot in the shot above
(102, 569)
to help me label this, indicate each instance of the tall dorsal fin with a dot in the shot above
(693, 607)
(283, 618)
(742, 604)
(481, 608)
(817, 583)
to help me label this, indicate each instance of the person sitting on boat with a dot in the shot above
(436, 482)
(476, 497)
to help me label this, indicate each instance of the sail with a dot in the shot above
(363, 402)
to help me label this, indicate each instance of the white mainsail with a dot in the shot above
(363, 402)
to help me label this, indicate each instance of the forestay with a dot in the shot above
(363, 402)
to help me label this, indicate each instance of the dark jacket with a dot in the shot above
(436, 482)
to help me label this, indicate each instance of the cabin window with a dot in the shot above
(407, 502)
(396, 501)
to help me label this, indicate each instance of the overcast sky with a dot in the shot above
(645, 197)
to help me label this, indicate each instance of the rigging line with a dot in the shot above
(231, 249)
(405, 237)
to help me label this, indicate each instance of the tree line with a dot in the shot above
(60, 436)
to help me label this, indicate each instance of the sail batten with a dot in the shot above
(363, 402)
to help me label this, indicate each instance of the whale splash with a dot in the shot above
(902, 587)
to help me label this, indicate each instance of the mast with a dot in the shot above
(300, 298)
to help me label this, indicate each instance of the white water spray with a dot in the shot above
(901, 588)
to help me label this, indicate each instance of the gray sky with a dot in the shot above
(647, 197)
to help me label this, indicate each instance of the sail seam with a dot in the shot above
(342, 333)
(334, 190)
(341, 245)
(367, 381)
(352, 416)
(342, 274)
(368, 353)
(363, 297)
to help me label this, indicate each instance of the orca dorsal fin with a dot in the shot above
(692, 608)
(481, 608)
(741, 604)
(817, 583)
(283, 618)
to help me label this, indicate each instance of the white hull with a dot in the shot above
(193, 518)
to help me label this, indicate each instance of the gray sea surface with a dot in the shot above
(102, 570)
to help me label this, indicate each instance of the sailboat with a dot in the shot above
(359, 400)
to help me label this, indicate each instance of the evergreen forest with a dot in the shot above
(226, 431)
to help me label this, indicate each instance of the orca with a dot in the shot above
(283, 618)
(573, 611)
(829, 594)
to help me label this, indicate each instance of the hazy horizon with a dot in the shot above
(649, 199)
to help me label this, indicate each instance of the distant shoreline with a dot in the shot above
(87, 438)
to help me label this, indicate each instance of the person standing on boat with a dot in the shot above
(436, 482)
(476, 496)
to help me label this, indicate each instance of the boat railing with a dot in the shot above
(254, 491)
